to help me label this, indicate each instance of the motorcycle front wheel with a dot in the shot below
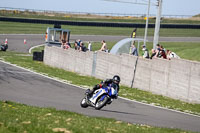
(84, 103)
(101, 103)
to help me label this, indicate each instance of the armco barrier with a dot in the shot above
(177, 78)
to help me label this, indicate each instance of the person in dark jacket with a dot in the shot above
(114, 83)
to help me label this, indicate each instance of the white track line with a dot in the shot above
(34, 47)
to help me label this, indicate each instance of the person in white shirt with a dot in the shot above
(171, 54)
(104, 46)
(89, 46)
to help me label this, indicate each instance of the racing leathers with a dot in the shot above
(105, 84)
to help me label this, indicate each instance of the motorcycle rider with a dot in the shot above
(114, 83)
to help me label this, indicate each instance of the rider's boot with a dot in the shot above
(110, 101)
(90, 93)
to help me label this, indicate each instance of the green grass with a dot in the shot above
(92, 18)
(21, 118)
(37, 49)
(29, 28)
(131, 93)
(158, 100)
(186, 50)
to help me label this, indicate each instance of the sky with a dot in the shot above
(169, 7)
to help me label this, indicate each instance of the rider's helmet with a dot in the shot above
(116, 79)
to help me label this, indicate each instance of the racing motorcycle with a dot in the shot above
(99, 98)
(3, 47)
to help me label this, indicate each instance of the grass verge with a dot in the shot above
(29, 28)
(94, 18)
(131, 93)
(21, 118)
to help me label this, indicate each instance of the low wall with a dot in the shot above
(177, 78)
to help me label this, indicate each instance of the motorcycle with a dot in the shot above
(99, 98)
(4, 47)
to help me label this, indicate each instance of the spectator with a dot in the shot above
(79, 42)
(104, 46)
(153, 55)
(162, 53)
(82, 47)
(46, 36)
(89, 46)
(66, 45)
(133, 50)
(76, 47)
(171, 55)
(63, 43)
(158, 48)
(145, 53)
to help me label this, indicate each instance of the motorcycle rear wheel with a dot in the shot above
(100, 104)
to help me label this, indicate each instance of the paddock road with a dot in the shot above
(26, 87)
(16, 41)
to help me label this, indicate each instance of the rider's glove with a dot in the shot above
(97, 86)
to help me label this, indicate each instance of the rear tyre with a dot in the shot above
(100, 104)
(84, 103)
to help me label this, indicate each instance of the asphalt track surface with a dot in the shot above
(26, 87)
(16, 41)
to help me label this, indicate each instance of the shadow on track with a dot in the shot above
(119, 112)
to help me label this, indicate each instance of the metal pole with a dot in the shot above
(157, 26)
(147, 22)
(138, 47)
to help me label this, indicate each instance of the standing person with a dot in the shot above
(89, 46)
(133, 50)
(145, 53)
(104, 46)
(46, 36)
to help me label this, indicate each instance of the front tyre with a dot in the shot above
(100, 103)
(84, 103)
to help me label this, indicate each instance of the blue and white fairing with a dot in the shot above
(103, 92)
